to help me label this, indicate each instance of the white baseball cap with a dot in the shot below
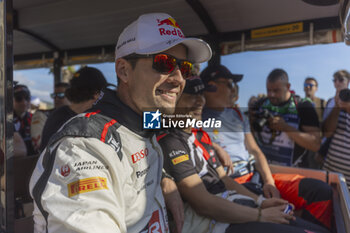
(155, 33)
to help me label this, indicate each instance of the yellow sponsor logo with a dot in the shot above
(180, 159)
(87, 185)
(277, 30)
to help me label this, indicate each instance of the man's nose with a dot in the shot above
(176, 76)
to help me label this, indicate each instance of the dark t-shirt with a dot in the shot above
(187, 154)
(54, 122)
(308, 117)
(307, 114)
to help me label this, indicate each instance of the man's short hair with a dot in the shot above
(61, 84)
(20, 90)
(311, 79)
(278, 74)
(342, 74)
(85, 83)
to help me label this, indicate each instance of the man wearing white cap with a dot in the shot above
(102, 172)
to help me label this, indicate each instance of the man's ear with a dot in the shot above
(288, 86)
(123, 69)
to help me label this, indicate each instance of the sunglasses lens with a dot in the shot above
(186, 68)
(338, 80)
(60, 95)
(164, 63)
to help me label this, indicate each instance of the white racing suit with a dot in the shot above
(100, 175)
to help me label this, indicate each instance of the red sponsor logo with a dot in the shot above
(65, 170)
(154, 223)
(139, 155)
(169, 22)
(172, 23)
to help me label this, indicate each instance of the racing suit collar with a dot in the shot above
(110, 105)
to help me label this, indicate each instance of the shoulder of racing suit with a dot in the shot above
(91, 125)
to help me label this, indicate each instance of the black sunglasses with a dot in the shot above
(59, 95)
(339, 80)
(165, 63)
(309, 85)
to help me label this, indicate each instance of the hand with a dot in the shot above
(271, 202)
(344, 105)
(224, 159)
(336, 99)
(173, 203)
(277, 123)
(270, 190)
(276, 215)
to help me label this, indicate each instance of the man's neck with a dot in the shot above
(219, 109)
(125, 98)
(187, 130)
(20, 114)
(312, 97)
(81, 107)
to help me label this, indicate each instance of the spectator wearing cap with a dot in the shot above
(236, 138)
(84, 90)
(22, 118)
(40, 117)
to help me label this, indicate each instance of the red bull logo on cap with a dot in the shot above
(172, 23)
(169, 22)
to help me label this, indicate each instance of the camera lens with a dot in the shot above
(344, 95)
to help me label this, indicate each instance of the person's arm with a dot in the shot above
(19, 147)
(62, 196)
(173, 202)
(193, 190)
(223, 157)
(310, 136)
(330, 123)
(262, 166)
(231, 184)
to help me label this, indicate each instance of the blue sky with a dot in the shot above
(319, 61)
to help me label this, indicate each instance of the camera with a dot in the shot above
(262, 119)
(344, 95)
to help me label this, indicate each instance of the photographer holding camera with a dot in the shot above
(292, 126)
(337, 125)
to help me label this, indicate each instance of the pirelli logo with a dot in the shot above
(180, 159)
(87, 185)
